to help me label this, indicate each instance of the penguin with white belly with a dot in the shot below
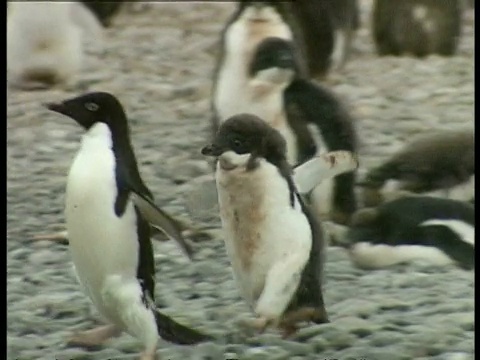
(309, 116)
(412, 228)
(108, 211)
(275, 245)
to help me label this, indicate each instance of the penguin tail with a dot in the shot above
(176, 333)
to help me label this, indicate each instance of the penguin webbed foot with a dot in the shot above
(95, 337)
(288, 325)
(61, 237)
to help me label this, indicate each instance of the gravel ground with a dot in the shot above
(159, 64)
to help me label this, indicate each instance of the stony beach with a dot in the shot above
(159, 63)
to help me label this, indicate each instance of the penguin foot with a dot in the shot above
(259, 324)
(94, 337)
(308, 314)
(148, 356)
(339, 217)
(61, 237)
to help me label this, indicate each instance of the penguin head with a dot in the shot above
(92, 108)
(243, 138)
(275, 59)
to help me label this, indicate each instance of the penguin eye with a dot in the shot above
(91, 106)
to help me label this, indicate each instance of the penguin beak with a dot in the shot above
(57, 107)
(211, 150)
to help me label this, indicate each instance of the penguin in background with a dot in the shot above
(438, 164)
(328, 29)
(417, 27)
(275, 245)
(309, 116)
(412, 227)
(108, 210)
(105, 11)
(44, 42)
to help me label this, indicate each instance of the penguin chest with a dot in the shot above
(261, 229)
(102, 244)
(232, 93)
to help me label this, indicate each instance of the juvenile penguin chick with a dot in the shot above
(275, 245)
(108, 209)
(410, 228)
(443, 162)
(275, 91)
(417, 27)
(44, 42)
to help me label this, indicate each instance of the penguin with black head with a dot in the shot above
(276, 247)
(417, 27)
(108, 210)
(441, 163)
(309, 116)
(409, 228)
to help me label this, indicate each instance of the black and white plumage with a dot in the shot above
(44, 42)
(267, 81)
(417, 27)
(105, 11)
(410, 228)
(108, 210)
(440, 164)
(275, 245)
(327, 28)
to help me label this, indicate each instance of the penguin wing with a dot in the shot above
(161, 220)
(319, 106)
(322, 167)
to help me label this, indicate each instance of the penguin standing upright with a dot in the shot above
(268, 83)
(44, 42)
(327, 32)
(417, 27)
(275, 245)
(108, 208)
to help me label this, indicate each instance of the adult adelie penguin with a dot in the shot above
(271, 86)
(327, 31)
(275, 245)
(44, 42)
(440, 164)
(108, 210)
(411, 228)
(417, 27)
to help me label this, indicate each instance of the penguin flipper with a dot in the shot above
(172, 331)
(322, 167)
(161, 220)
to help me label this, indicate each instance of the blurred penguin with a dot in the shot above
(417, 27)
(327, 29)
(44, 42)
(439, 164)
(411, 228)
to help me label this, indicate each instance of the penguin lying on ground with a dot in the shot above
(413, 227)
(108, 210)
(417, 27)
(268, 83)
(44, 42)
(275, 245)
(327, 29)
(443, 162)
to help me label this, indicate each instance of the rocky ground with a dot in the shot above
(159, 64)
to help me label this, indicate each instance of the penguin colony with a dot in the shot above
(284, 151)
